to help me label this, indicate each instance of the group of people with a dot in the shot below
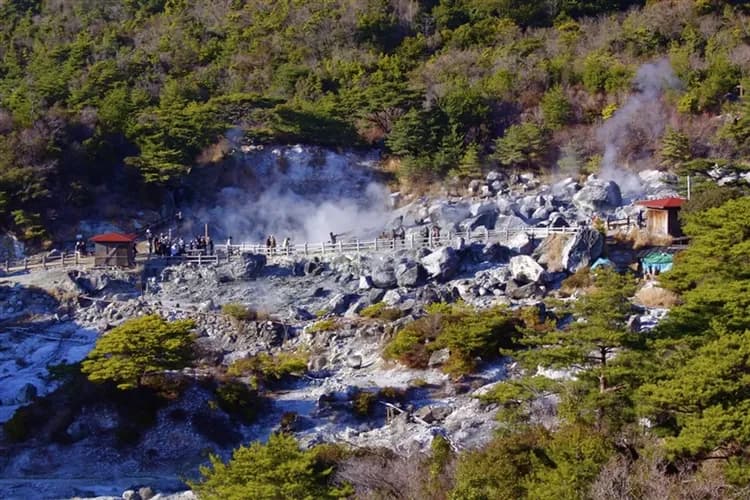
(80, 246)
(166, 246)
(271, 244)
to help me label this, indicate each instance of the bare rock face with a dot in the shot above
(582, 249)
(384, 276)
(524, 269)
(410, 274)
(597, 195)
(442, 264)
(250, 266)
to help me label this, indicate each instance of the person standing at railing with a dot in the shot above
(286, 244)
(210, 243)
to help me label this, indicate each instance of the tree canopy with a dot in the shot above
(140, 346)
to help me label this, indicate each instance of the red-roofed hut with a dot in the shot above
(114, 249)
(662, 216)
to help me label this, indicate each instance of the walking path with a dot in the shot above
(322, 249)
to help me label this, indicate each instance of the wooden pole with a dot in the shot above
(205, 231)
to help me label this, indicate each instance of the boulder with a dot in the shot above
(353, 361)
(340, 302)
(439, 357)
(448, 215)
(598, 195)
(313, 267)
(384, 276)
(495, 252)
(485, 219)
(302, 314)
(442, 264)
(365, 283)
(433, 413)
(482, 207)
(375, 295)
(26, 393)
(524, 269)
(550, 252)
(146, 493)
(517, 291)
(582, 249)
(565, 189)
(520, 243)
(392, 297)
(410, 274)
(250, 265)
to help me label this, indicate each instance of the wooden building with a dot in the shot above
(114, 249)
(662, 216)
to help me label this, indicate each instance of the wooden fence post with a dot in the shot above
(7, 265)
(306, 249)
(341, 247)
(376, 244)
(25, 263)
(357, 242)
(44, 262)
(199, 259)
(411, 241)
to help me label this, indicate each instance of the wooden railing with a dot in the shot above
(412, 241)
(322, 249)
(74, 259)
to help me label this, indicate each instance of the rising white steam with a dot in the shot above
(303, 193)
(641, 117)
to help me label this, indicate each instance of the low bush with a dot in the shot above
(269, 368)
(363, 403)
(237, 399)
(579, 280)
(468, 334)
(381, 311)
(324, 325)
(241, 312)
(391, 394)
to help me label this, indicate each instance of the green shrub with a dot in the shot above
(324, 325)
(140, 346)
(381, 311)
(578, 280)
(239, 400)
(363, 403)
(391, 394)
(269, 367)
(466, 333)
(276, 469)
(556, 107)
(240, 312)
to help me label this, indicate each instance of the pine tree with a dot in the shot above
(471, 165)
(521, 146)
(138, 347)
(675, 149)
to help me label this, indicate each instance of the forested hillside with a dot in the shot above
(127, 95)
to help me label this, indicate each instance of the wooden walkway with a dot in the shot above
(323, 249)
(387, 245)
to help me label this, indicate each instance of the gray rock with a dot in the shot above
(146, 492)
(250, 265)
(565, 189)
(524, 269)
(520, 243)
(495, 252)
(486, 219)
(517, 291)
(442, 264)
(341, 302)
(302, 314)
(317, 363)
(392, 297)
(384, 276)
(410, 274)
(439, 357)
(582, 249)
(365, 282)
(598, 195)
(354, 361)
(433, 413)
(131, 495)
(375, 295)
(26, 394)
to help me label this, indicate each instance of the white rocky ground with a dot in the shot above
(38, 329)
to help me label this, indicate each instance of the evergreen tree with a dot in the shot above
(675, 149)
(138, 347)
(556, 107)
(471, 165)
(276, 470)
(521, 146)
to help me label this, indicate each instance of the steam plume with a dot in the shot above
(640, 118)
(299, 192)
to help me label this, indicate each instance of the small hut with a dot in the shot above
(656, 262)
(662, 216)
(114, 249)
